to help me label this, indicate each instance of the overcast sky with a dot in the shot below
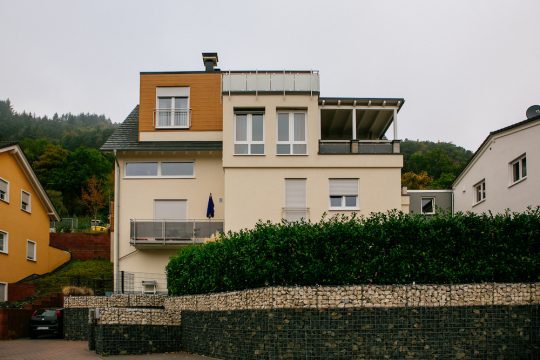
(464, 67)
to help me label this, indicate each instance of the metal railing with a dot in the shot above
(172, 118)
(177, 231)
(359, 147)
(295, 214)
(271, 81)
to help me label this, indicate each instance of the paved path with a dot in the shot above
(55, 349)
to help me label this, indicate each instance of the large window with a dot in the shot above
(295, 200)
(249, 134)
(31, 250)
(343, 194)
(480, 192)
(518, 169)
(172, 108)
(428, 205)
(26, 201)
(291, 139)
(3, 242)
(174, 169)
(4, 190)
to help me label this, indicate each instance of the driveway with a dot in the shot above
(53, 349)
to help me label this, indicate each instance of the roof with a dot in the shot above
(362, 101)
(486, 142)
(15, 149)
(126, 137)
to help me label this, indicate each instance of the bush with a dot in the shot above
(389, 248)
(77, 291)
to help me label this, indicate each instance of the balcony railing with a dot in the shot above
(172, 118)
(339, 147)
(295, 214)
(271, 81)
(173, 232)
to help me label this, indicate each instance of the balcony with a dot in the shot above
(172, 118)
(270, 82)
(172, 233)
(340, 147)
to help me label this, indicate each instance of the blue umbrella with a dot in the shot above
(210, 208)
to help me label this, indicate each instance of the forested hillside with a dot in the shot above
(430, 165)
(64, 152)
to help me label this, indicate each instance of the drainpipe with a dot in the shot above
(116, 243)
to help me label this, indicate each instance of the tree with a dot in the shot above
(92, 196)
(415, 181)
(58, 203)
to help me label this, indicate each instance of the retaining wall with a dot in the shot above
(83, 246)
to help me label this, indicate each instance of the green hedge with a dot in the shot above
(391, 248)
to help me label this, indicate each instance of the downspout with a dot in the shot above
(116, 242)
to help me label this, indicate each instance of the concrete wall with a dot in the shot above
(492, 163)
(443, 200)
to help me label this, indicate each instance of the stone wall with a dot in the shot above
(136, 316)
(76, 323)
(458, 332)
(115, 300)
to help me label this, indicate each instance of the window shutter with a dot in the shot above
(30, 250)
(295, 193)
(3, 296)
(343, 187)
(170, 209)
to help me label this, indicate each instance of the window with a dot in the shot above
(291, 139)
(170, 209)
(4, 190)
(3, 242)
(343, 194)
(249, 134)
(295, 200)
(518, 169)
(160, 169)
(172, 108)
(3, 291)
(31, 250)
(480, 192)
(428, 205)
(26, 201)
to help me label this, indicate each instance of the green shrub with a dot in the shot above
(389, 248)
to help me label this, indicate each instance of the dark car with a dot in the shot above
(47, 321)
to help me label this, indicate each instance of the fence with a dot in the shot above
(141, 282)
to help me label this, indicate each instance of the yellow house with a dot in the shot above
(25, 214)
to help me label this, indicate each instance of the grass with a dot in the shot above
(94, 274)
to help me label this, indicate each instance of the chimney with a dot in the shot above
(210, 60)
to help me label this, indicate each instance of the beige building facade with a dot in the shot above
(275, 150)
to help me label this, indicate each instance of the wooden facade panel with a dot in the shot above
(205, 99)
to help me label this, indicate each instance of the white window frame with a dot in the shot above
(433, 205)
(479, 187)
(291, 142)
(5, 250)
(29, 207)
(35, 250)
(126, 176)
(518, 161)
(183, 92)
(343, 206)
(249, 134)
(5, 291)
(6, 197)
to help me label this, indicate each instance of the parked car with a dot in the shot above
(47, 321)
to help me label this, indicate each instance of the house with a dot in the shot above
(430, 202)
(504, 173)
(25, 214)
(264, 145)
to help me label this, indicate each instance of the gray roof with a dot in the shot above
(126, 137)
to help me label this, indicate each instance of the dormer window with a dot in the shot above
(172, 108)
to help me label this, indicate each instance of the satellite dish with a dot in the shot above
(533, 111)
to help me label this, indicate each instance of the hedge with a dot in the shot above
(384, 248)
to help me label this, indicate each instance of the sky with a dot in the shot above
(464, 67)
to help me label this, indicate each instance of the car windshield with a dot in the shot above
(46, 312)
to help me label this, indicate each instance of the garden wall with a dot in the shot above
(83, 246)
(369, 321)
